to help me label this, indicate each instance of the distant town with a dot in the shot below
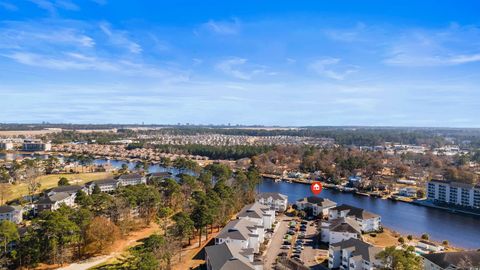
(228, 197)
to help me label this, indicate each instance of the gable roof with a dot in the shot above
(254, 210)
(226, 257)
(358, 248)
(345, 225)
(355, 211)
(462, 258)
(273, 195)
(104, 182)
(130, 176)
(323, 202)
(53, 198)
(69, 189)
(240, 229)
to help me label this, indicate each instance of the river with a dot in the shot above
(460, 230)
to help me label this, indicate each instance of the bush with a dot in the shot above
(401, 240)
(373, 235)
(425, 236)
(410, 237)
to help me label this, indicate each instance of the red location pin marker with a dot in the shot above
(316, 188)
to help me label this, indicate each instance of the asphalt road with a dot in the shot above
(274, 248)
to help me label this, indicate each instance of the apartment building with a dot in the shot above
(353, 254)
(274, 200)
(11, 213)
(340, 229)
(258, 213)
(368, 222)
(36, 145)
(453, 193)
(452, 260)
(131, 179)
(227, 256)
(6, 145)
(317, 205)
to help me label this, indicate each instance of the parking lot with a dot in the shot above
(295, 239)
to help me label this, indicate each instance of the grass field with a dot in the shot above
(51, 180)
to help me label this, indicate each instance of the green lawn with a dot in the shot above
(49, 181)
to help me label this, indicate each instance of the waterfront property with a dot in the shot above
(353, 254)
(276, 201)
(131, 179)
(452, 260)
(368, 222)
(315, 205)
(260, 214)
(36, 145)
(454, 193)
(11, 213)
(340, 229)
(6, 145)
(228, 256)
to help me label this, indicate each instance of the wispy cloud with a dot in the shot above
(223, 27)
(237, 67)
(346, 34)
(332, 68)
(440, 47)
(8, 6)
(52, 5)
(120, 38)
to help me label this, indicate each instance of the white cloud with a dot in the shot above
(346, 35)
(444, 47)
(331, 68)
(223, 27)
(52, 6)
(240, 69)
(120, 38)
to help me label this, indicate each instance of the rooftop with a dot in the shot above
(355, 211)
(446, 259)
(359, 248)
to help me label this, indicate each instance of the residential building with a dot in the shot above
(258, 213)
(274, 200)
(227, 256)
(242, 233)
(107, 185)
(11, 213)
(353, 254)
(6, 145)
(340, 229)
(54, 201)
(70, 189)
(131, 179)
(368, 222)
(408, 192)
(453, 193)
(36, 145)
(318, 205)
(452, 260)
(426, 246)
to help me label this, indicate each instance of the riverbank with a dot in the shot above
(430, 204)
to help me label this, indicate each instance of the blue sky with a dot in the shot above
(405, 63)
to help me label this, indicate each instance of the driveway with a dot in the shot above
(277, 239)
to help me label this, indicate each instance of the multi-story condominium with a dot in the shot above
(316, 204)
(340, 229)
(276, 201)
(243, 233)
(54, 201)
(452, 260)
(36, 145)
(11, 213)
(107, 185)
(228, 256)
(368, 222)
(131, 179)
(454, 193)
(258, 213)
(6, 145)
(353, 254)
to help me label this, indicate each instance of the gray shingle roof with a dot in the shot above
(323, 202)
(6, 209)
(254, 210)
(358, 248)
(130, 176)
(239, 229)
(274, 195)
(355, 211)
(463, 259)
(345, 225)
(226, 257)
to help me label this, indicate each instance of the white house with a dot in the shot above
(408, 192)
(340, 229)
(317, 204)
(452, 260)
(11, 213)
(242, 233)
(131, 179)
(277, 201)
(367, 221)
(353, 254)
(427, 246)
(54, 201)
(258, 213)
(227, 256)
